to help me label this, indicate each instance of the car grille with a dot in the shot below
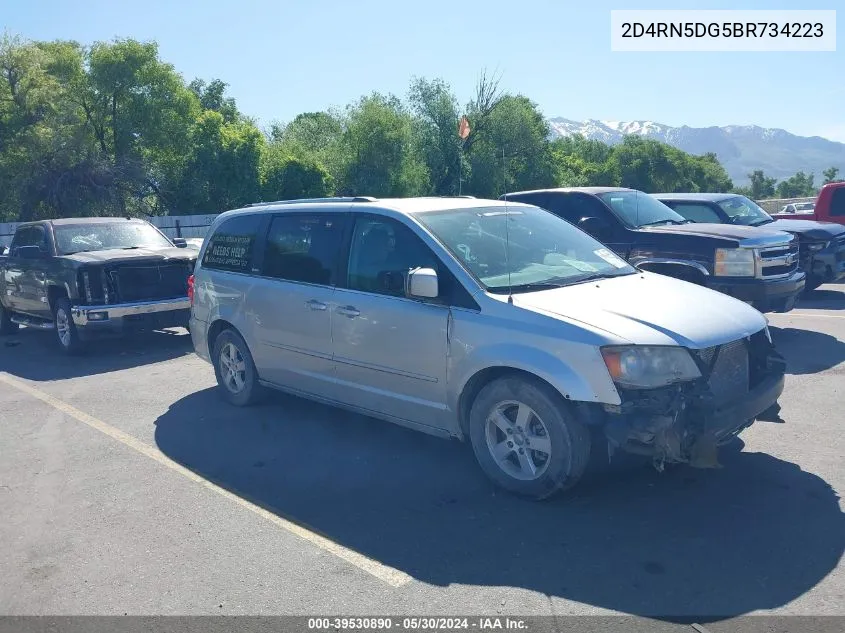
(779, 261)
(730, 375)
(144, 283)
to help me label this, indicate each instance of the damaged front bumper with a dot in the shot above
(687, 422)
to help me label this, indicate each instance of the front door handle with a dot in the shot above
(316, 305)
(350, 311)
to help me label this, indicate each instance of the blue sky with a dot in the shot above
(289, 56)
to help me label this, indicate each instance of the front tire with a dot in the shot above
(6, 324)
(66, 332)
(234, 368)
(526, 439)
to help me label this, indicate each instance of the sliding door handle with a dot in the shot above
(350, 311)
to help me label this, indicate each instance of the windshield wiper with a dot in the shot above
(130, 248)
(762, 222)
(656, 222)
(544, 285)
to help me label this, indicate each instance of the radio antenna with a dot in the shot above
(507, 228)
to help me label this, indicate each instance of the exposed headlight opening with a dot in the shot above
(735, 262)
(815, 247)
(648, 367)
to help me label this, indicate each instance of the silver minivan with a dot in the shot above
(491, 321)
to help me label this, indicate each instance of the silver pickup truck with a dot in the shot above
(81, 277)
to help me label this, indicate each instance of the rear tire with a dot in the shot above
(66, 333)
(526, 439)
(6, 325)
(234, 368)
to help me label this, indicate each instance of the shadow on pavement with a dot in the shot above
(807, 351)
(34, 355)
(823, 300)
(711, 544)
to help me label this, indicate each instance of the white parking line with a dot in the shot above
(389, 575)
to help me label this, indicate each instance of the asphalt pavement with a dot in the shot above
(128, 486)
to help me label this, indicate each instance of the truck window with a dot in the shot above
(28, 236)
(696, 212)
(232, 247)
(304, 247)
(837, 202)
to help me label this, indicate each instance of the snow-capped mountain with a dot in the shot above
(740, 148)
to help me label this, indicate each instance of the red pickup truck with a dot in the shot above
(830, 206)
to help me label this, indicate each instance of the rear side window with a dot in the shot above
(232, 247)
(304, 247)
(697, 212)
(30, 236)
(837, 202)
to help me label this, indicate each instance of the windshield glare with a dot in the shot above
(743, 211)
(636, 208)
(75, 238)
(536, 247)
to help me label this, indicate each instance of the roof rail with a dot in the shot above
(315, 200)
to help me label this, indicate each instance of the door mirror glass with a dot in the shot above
(30, 252)
(596, 227)
(422, 283)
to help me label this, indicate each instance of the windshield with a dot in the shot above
(636, 208)
(743, 211)
(537, 248)
(805, 206)
(77, 238)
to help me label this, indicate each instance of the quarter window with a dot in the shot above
(30, 236)
(304, 247)
(232, 247)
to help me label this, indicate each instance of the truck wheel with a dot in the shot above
(526, 439)
(6, 325)
(66, 333)
(235, 369)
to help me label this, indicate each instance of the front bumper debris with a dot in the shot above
(688, 422)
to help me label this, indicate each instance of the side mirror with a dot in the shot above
(422, 283)
(30, 252)
(594, 226)
(180, 242)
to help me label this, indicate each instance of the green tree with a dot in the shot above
(762, 186)
(798, 186)
(212, 96)
(380, 151)
(285, 177)
(223, 168)
(312, 136)
(436, 109)
(581, 162)
(511, 149)
(830, 175)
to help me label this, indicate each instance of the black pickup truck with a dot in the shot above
(86, 276)
(821, 245)
(756, 265)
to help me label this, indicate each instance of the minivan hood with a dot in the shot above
(650, 309)
(808, 229)
(115, 255)
(729, 231)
